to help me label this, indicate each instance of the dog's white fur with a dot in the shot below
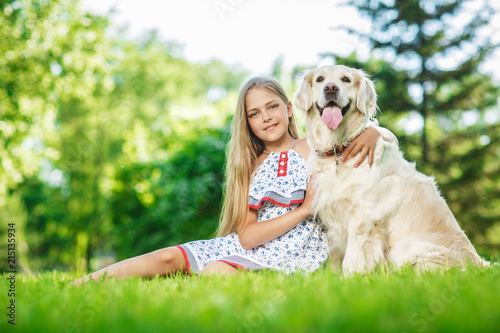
(387, 212)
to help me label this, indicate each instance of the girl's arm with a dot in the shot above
(365, 143)
(252, 233)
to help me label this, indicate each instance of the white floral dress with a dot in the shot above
(278, 186)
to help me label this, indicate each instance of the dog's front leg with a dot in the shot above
(337, 243)
(355, 256)
(365, 247)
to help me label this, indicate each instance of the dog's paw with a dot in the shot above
(352, 266)
(346, 274)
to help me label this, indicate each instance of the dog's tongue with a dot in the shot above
(332, 116)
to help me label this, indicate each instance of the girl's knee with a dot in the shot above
(171, 257)
(219, 267)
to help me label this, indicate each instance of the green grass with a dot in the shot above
(454, 301)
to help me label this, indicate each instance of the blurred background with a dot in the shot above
(114, 115)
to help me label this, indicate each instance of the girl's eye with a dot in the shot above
(346, 79)
(252, 115)
(274, 106)
(319, 79)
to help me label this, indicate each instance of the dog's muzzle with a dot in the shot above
(332, 103)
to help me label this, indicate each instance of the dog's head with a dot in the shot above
(335, 93)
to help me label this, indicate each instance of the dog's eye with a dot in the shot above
(319, 79)
(346, 79)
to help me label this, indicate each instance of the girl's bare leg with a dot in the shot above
(163, 262)
(219, 267)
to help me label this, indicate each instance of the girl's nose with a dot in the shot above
(267, 115)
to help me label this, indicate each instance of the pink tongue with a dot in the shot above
(332, 116)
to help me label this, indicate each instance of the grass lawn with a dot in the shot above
(454, 301)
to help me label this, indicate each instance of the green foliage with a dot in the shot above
(415, 37)
(77, 104)
(161, 204)
(13, 230)
(54, 59)
(50, 54)
(468, 175)
(48, 237)
(267, 301)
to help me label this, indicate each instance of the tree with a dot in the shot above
(418, 37)
(53, 60)
(163, 203)
(81, 110)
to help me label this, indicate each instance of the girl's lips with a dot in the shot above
(270, 128)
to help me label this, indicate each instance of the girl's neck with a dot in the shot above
(283, 144)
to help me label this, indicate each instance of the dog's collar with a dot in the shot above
(336, 151)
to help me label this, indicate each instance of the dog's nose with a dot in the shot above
(330, 88)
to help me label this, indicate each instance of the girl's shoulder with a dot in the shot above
(302, 148)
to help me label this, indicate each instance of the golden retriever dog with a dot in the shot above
(388, 212)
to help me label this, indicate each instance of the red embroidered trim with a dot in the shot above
(283, 164)
(188, 266)
(233, 264)
(275, 202)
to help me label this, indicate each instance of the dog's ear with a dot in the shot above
(304, 97)
(366, 99)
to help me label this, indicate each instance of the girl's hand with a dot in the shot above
(307, 204)
(364, 143)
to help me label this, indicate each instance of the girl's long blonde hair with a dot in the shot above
(241, 155)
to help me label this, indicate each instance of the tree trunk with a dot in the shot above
(88, 253)
(424, 143)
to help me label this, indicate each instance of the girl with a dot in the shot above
(266, 218)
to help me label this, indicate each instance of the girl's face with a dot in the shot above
(267, 114)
